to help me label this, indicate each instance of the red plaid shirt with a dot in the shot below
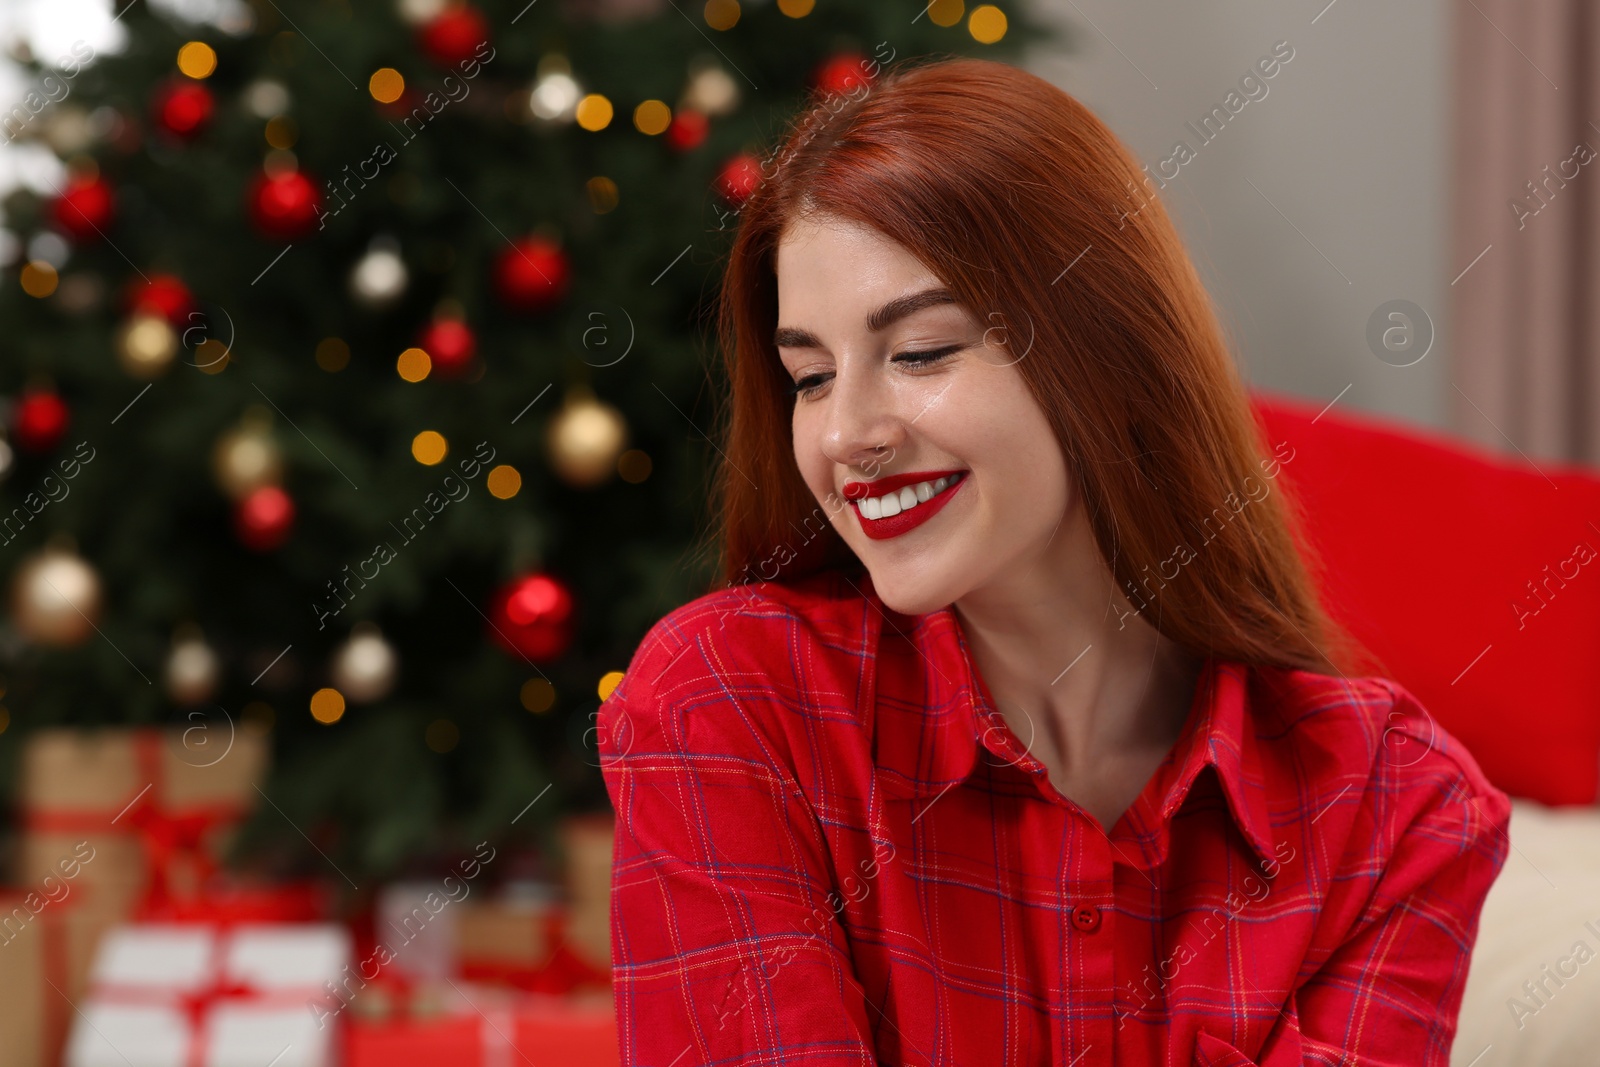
(831, 849)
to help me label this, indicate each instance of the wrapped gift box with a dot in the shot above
(587, 841)
(192, 995)
(46, 939)
(576, 1031)
(469, 1025)
(150, 805)
(500, 937)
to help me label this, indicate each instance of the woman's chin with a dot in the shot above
(909, 595)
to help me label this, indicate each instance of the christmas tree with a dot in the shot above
(359, 386)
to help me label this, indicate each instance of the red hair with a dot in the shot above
(1036, 217)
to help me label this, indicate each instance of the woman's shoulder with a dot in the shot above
(748, 674)
(1394, 816)
(756, 629)
(1369, 738)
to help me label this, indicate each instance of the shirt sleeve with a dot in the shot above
(1390, 994)
(726, 948)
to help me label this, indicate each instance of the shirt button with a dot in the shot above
(1086, 917)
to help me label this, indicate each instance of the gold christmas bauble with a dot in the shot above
(192, 669)
(585, 438)
(146, 345)
(379, 278)
(246, 457)
(554, 96)
(420, 12)
(713, 91)
(55, 597)
(364, 666)
(69, 130)
(266, 99)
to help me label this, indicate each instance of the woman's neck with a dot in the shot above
(1061, 649)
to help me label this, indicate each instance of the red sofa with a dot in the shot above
(1474, 577)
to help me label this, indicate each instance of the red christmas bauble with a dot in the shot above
(455, 35)
(532, 274)
(284, 205)
(450, 345)
(85, 208)
(160, 294)
(842, 74)
(39, 421)
(182, 107)
(263, 518)
(688, 130)
(532, 616)
(739, 178)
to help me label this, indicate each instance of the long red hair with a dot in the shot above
(1040, 221)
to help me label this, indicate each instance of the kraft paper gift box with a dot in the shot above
(521, 941)
(190, 995)
(151, 804)
(506, 938)
(587, 843)
(46, 938)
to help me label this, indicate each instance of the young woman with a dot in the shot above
(1016, 734)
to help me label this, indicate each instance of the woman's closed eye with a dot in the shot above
(812, 384)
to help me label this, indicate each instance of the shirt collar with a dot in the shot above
(934, 716)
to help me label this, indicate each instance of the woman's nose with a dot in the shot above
(862, 428)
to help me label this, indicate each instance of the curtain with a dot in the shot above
(1525, 295)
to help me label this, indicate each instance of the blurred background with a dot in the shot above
(356, 414)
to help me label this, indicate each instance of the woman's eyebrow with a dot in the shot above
(790, 337)
(893, 311)
(901, 306)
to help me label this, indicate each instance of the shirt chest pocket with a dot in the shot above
(1282, 1049)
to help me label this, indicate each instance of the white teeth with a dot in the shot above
(903, 499)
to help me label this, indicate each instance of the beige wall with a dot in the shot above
(1350, 142)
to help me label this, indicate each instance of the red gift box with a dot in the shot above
(228, 903)
(491, 1028)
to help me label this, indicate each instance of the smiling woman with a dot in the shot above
(962, 781)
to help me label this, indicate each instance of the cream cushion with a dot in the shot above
(1540, 925)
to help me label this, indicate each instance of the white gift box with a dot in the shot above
(192, 995)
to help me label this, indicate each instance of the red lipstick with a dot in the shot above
(910, 518)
